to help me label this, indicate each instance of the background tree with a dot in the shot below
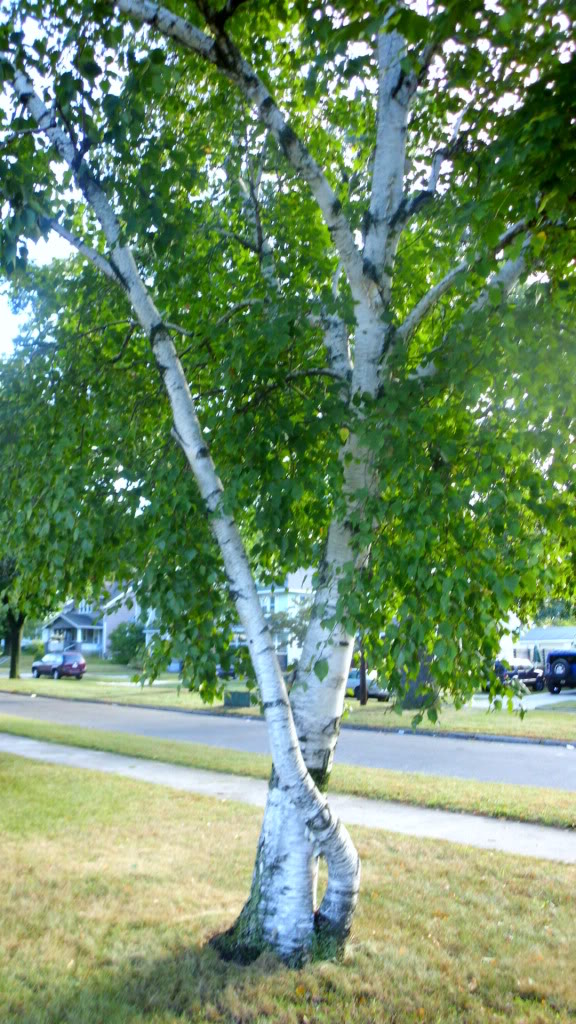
(340, 240)
(555, 613)
(127, 643)
(67, 530)
(12, 618)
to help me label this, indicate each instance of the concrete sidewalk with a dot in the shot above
(469, 829)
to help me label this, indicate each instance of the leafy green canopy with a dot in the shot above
(473, 512)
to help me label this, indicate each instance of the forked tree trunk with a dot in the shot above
(282, 911)
(293, 780)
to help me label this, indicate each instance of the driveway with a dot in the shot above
(524, 764)
(530, 701)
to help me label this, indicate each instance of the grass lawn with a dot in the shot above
(112, 888)
(105, 681)
(558, 725)
(108, 682)
(522, 803)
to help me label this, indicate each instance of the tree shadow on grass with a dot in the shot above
(192, 984)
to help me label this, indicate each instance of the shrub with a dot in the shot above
(126, 643)
(34, 647)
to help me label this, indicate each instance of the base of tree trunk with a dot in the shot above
(231, 947)
(243, 943)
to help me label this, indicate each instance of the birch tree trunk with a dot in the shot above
(284, 883)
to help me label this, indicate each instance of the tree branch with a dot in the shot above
(395, 92)
(123, 347)
(235, 237)
(410, 204)
(504, 279)
(96, 258)
(73, 157)
(223, 54)
(246, 304)
(230, 7)
(5, 143)
(428, 301)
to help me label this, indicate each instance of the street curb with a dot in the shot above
(532, 741)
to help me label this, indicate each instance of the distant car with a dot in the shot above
(560, 670)
(374, 689)
(226, 673)
(70, 663)
(521, 669)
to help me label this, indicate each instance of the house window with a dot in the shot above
(89, 636)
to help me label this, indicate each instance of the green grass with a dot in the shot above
(99, 684)
(161, 694)
(521, 803)
(111, 889)
(565, 705)
(558, 725)
(109, 682)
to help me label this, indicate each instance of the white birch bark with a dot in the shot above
(395, 91)
(221, 52)
(298, 825)
(329, 837)
(318, 705)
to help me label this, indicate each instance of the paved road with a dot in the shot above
(469, 829)
(486, 761)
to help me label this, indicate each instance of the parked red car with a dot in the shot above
(57, 665)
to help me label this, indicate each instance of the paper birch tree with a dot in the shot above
(341, 238)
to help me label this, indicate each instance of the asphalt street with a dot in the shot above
(524, 764)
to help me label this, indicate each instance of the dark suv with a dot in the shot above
(560, 670)
(70, 663)
(520, 669)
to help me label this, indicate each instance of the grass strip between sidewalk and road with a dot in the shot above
(498, 800)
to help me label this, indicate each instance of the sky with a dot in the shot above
(42, 253)
(8, 327)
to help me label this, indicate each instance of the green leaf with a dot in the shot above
(321, 669)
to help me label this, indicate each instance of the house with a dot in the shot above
(535, 643)
(287, 599)
(75, 627)
(509, 636)
(88, 626)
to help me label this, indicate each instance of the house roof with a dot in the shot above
(75, 619)
(549, 633)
